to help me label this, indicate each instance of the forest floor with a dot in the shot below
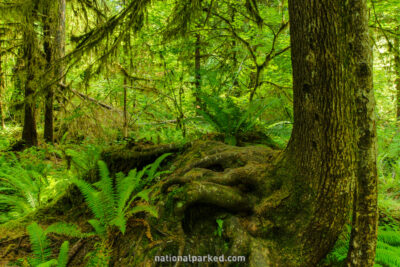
(49, 172)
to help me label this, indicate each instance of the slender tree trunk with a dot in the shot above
(54, 46)
(365, 212)
(127, 52)
(2, 84)
(397, 73)
(29, 133)
(125, 126)
(49, 50)
(197, 66)
(255, 81)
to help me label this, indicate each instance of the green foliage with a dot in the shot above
(27, 181)
(228, 118)
(220, 225)
(279, 132)
(41, 249)
(84, 159)
(110, 200)
(21, 187)
(387, 251)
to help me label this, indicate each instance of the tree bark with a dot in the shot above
(54, 47)
(333, 137)
(197, 69)
(323, 143)
(397, 74)
(365, 212)
(2, 85)
(29, 133)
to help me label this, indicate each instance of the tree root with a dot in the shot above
(236, 182)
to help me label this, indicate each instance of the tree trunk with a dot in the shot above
(322, 148)
(29, 133)
(2, 84)
(334, 122)
(365, 212)
(54, 47)
(197, 67)
(49, 42)
(125, 126)
(397, 74)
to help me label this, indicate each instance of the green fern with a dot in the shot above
(84, 160)
(41, 248)
(387, 250)
(226, 117)
(20, 188)
(40, 245)
(110, 203)
(63, 255)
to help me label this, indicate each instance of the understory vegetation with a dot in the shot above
(133, 87)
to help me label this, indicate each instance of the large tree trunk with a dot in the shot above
(334, 131)
(322, 149)
(54, 47)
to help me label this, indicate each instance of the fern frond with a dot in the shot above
(144, 208)
(107, 193)
(125, 187)
(66, 229)
(390, 237)
(91, 196)
(144, 194)
(40, 244)
(151, 173)
(50, 263)
(120, 222)
(98, 227)
(63, 255)
(388, 257)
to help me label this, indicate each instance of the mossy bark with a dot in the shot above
(2, 86)
(29, 133)
(54, 46)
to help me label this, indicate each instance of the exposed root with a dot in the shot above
(227, 177)
(222, 196)
(248, 175)
(220, 181)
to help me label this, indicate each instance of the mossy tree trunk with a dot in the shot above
(334, 131)
(397, 72)
(2, 85)
(365, 212)
(29, 133)
(197, 70)
(54, 46)
(303, 198)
